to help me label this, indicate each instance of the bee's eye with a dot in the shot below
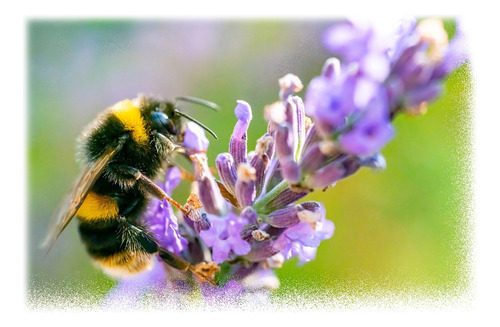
(162, 123)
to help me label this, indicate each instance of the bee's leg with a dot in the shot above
(205, 271)
(129, 175)
(150, 187)
(122, 174)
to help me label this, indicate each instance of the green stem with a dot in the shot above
(269, 196)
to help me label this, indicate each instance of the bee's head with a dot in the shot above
(164, 119)
(160, 115)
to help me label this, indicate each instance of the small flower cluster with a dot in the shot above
(252, 220)
(354, 102)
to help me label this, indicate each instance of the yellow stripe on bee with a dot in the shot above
(131, 118)
(97, 207)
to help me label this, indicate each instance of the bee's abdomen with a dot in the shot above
(110, 231)
(102, 239)
(98, 207)
(116, 249)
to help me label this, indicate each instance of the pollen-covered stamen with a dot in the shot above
(192, 210)
(309, 217)
(264, 144)
(328, 147)
(245, 185)
(260, 235)
(275, 261)
(416, 110)
(246, 173)
(432, 32)
(308, 123)
(289, 84)
(205, 271)
(275, 115)
(260, 160)
(192, 206)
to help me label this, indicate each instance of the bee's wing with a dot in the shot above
(75, 197)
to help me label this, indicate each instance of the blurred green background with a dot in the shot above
(406, 230)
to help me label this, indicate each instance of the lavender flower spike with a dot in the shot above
(238, 142)
(194, 137)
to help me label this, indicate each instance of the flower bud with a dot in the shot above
(312, 212)
(284, 199)
(325, 176)
(227, 171)
(313, 159)
(285, 217)
(331, 69)
(238, 141)
(260, 235)
(265, 249)
(209, 192)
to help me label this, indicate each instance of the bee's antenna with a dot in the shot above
(199, 101)
(196, 122)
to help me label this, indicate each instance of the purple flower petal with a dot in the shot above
(194, 137)
(220, 251)
(224, 237)
(173, 178)
(160, 218)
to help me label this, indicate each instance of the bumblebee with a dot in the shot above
(123, 150)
